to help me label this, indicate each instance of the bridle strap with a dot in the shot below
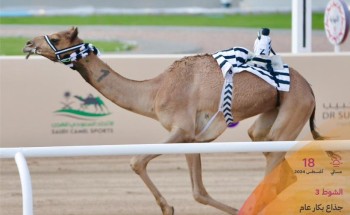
(81, 50)
(69, 49)
(62, 51)
(50, 44)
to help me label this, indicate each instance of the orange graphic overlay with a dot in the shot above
(309, 181)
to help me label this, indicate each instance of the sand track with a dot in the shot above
(107, 185)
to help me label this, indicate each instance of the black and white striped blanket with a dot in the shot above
(238, 59)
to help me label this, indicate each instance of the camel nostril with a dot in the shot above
(29, 43)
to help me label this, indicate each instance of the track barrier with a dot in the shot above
(20, 154)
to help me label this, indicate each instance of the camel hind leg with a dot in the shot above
(291, 118)
(296, 108)
(262, 125)
(259, 131)
(280, 124)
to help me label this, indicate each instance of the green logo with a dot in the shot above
(89, 107)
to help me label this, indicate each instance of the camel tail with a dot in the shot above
(314, 132)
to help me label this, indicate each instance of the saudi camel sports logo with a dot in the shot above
(89, 107)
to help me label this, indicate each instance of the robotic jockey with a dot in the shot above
(262, 49)
(262, 45)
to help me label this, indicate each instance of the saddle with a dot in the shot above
(238, 59)
(264, 62)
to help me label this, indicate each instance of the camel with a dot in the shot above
(184, 98)
(91, 100)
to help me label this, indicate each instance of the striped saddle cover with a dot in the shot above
(239, 59)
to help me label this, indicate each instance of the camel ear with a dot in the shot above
(73, 33)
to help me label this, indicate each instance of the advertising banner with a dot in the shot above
(48, 104)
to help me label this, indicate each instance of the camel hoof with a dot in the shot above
(169, 211)
(235, 212)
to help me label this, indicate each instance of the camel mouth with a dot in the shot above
(29, 51)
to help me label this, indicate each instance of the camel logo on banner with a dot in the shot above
(80, 107)
(82, 115)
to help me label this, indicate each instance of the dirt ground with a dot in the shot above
(108, 186)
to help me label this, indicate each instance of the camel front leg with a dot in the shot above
(199, 192)
(139, 165)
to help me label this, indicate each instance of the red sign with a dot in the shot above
(336, 21)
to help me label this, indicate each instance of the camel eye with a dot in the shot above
(55, 41)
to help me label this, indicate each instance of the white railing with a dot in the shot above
(179, 148)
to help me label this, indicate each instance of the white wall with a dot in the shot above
(32, 90)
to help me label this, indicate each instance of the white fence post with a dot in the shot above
(26, 183)
(301, 25)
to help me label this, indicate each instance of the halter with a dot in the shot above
(80, 51)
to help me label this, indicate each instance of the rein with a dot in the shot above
(81, 50)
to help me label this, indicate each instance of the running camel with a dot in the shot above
(184, 98)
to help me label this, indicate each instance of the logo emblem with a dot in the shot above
(83, 107)
(336, 21)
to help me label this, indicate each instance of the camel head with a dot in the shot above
(55, 46)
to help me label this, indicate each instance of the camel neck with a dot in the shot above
(135, 96)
